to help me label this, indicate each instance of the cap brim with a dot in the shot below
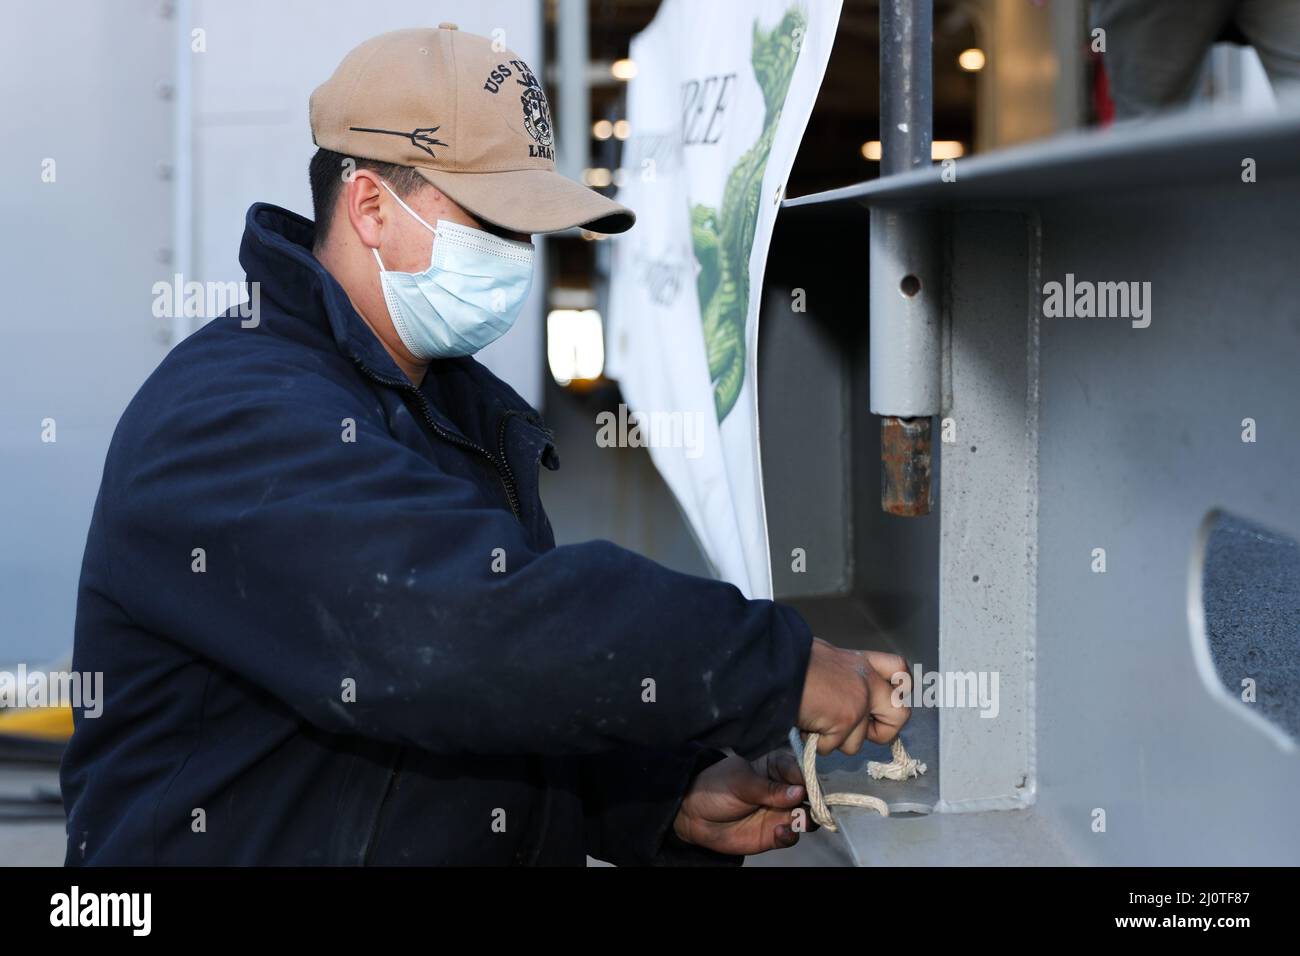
(531, 200)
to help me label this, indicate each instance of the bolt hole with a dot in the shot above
(910, 285)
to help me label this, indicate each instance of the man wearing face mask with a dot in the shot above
(332, 620)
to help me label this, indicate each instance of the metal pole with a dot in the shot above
(906, 84)
(906, 267)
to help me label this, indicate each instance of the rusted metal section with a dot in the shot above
(905, 466)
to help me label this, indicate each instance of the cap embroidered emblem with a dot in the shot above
(422, 137)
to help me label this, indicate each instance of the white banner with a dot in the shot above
(718, 107)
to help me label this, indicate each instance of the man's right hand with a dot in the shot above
(848, 697)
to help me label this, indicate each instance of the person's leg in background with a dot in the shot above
(1155, 48)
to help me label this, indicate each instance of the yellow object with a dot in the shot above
(37, 723)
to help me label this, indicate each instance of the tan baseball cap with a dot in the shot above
(473, 120)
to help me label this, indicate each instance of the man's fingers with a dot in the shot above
(882, 733)
(760, 791)
(887, 714)
(829, 742)
(784, 837)
(782, 765)
(854, 696)
(853, 742)
(887, 666)
(777, 829)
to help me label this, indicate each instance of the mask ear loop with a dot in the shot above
(413, 213)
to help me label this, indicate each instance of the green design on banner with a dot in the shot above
(723, 238)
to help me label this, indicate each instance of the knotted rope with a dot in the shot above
(902, 767)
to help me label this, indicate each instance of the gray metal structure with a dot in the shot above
(1071, 434)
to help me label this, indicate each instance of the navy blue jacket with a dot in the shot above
(293, 586)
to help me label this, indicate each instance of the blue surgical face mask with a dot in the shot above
(469, 296)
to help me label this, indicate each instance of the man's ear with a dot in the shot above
(362, 196)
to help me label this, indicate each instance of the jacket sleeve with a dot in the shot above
(355, 581)
(631, 798)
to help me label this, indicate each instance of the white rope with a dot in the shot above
(902, 767)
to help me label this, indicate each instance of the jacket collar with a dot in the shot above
(276, 252)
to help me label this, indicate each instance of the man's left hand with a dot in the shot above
(742, 808)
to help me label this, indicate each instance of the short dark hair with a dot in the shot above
(326, 173)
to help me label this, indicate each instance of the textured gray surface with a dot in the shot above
(989, 510)
(991, 838)
(1251, 590)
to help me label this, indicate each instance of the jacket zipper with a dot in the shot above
(502, 467)
(501, 446)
